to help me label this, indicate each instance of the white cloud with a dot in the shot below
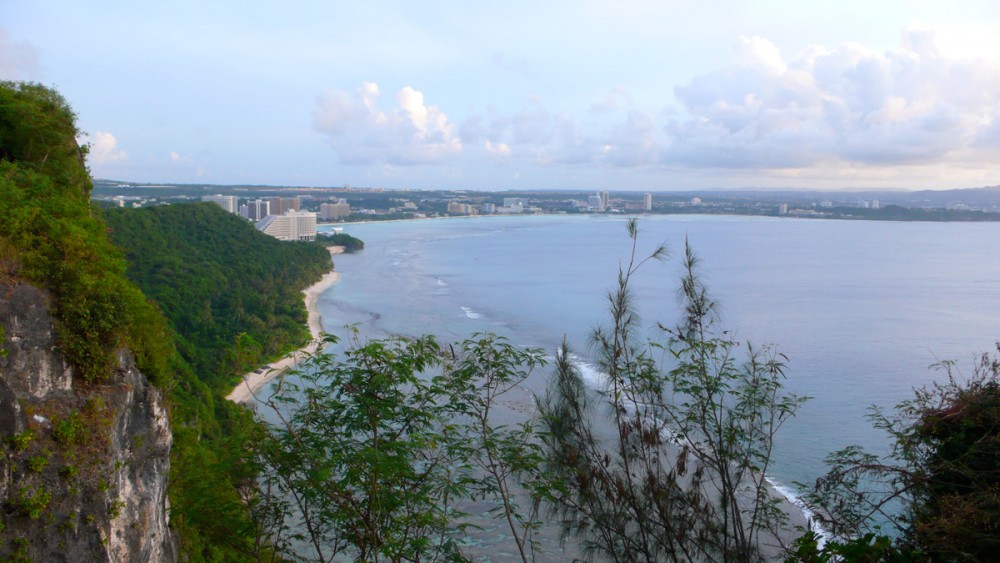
(852, 105)
(18, 59)
(175, 156)
(499, 151)
(617, 138)
(103, 148)
(758, 52)
(632, 143)
(361, 132)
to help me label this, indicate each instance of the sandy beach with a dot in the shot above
(254, 380)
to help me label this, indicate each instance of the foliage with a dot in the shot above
(374, 454)
(682, 478)
(943, 473)
(32, 501)
(38, 462)
(232, 296)
(70, 430)
(220, 282)
(364, 453)
(60, 245)
(508, 458)
(19, 442)
(52, 237)
(350, 243)
(869, 548)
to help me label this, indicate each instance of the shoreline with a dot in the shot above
(254, 380)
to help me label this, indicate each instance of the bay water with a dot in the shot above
(861, 308)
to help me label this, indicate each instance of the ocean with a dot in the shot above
(861, 308)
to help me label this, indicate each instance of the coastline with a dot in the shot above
(253, 381)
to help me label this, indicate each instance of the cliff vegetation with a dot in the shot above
(86, 439)
(232, 296)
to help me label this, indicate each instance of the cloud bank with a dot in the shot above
(846, 112)
(849, 104)
(409, 133)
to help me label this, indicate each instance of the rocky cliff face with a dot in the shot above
(83, 474)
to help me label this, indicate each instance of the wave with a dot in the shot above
(590, 374)
(470, 313)
(791, 496)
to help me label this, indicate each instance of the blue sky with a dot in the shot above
(657, 95)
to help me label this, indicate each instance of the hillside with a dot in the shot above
(88, 443)
(233, 299)
(86, 437)
(222, 284)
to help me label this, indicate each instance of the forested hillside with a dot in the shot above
(76, 486)
(232, 293)
(50, 237)
(233, 298)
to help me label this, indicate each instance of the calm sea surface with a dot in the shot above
(860, 308)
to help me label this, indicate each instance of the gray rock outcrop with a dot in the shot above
(83, 474)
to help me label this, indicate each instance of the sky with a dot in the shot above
(629, 95)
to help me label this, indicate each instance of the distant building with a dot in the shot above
(227, 202)
(782, 209)
(647, 201)
(605, 199)
(255, 210)
(461, 208)
(876, 204)
(279, 205)
(696, 201)
(594, 203)
(513, 205)
(487, 208)
(292, 225)
(334, 211)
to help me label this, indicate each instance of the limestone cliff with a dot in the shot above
(83, 474)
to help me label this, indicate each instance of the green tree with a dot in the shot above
(682, 475)
(373, 456)
(507, 458)
(939, 487)
(363, 454)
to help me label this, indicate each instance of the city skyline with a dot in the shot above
(644, 96)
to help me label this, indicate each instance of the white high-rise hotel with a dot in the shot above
(293, 225)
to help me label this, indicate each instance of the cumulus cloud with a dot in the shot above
(847, 104)
(18, 59)
(103, 148)
(361, 132)
(620, 139)
(499, 151)
(632, 143)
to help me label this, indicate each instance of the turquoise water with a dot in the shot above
(860, 308)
